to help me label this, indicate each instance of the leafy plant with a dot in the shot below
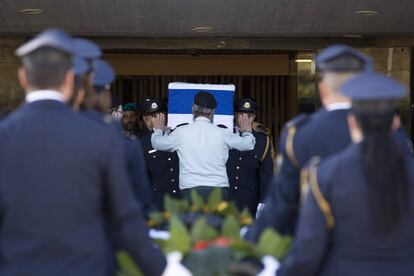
(202, 231)
(179, 237)
(127, 266)
(214, 200)
(274, 244)
(231, 228)
(214, 207)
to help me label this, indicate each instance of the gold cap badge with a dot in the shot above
(246, 105)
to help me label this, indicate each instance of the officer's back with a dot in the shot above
(356, 218)
(59, 189)
(321, 134)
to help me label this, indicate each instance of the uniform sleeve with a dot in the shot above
(403, 141)
(165, 142)
(234, 141)
(281, 203)
(310, 246)
(126, 216)
(138, 174)
(266, 171)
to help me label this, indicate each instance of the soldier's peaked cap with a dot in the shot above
(342, 58)
(52, 38)
(372, 87)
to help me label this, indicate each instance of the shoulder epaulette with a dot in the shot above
(222, 126)
(291, 128)
(179, 125)
(309, 181)
(258, 127)
(298, 120)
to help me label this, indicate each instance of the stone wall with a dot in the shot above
(395, 62)
(11, 95)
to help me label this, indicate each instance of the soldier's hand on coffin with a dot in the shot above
(159, 121)
(245, 122)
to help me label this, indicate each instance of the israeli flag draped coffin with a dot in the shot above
(181, 97)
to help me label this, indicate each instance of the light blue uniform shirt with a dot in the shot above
(203, 150)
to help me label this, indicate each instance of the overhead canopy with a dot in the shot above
(228, 18)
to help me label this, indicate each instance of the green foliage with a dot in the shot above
(197, 201)
(211, 261)
(157, 217)
(175, 206)
(241, 249)
(274, 244)
(231, 210)
(214, 205)
(231, 228)
(214, 199)
(179, 237)
(127, 266)
(202, 231)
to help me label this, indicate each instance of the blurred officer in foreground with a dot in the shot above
(321, 134)
(357, 218)
(86, 52)
(250, 172)
(162, 166)
(2, 116)
(130, 120)
(60, 188)
(102, 77)
(202, 147)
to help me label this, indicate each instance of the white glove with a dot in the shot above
(271, 265)
(117, 113)
(259, 209)
(174, 266)
(158, 234)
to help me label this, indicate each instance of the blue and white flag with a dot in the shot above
(181, 98)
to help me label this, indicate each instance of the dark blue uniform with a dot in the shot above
(163, 168)
(58, 191)
(342, 241)
(320, 134)
(134, 159)
(250, 172)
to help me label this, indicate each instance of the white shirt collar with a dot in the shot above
(338, 106)
(201, 118)
(41, 95)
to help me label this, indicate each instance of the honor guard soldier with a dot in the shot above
(86, 52)
(321, 134)
(130, 120)
(60, 188)
(102, 77)
(162, 166)
(250, 172)
(358, 206)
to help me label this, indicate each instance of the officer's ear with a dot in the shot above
(354, 129)
(67, 85)
(22, 78)
(396, 122)
(323, 91)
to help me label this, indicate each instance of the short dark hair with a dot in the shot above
(46, 67)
